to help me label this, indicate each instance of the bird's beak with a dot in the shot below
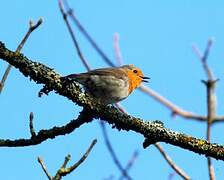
(144, 79)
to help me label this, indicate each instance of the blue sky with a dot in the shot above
(156, 36)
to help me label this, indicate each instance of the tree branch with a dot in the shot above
(130, 163)
(75, 42)
(32, 130)
(171, 163)
(43, 135)
(63, 171)
(112, 152)
(152, 131)
(43, 166)
(211, 98)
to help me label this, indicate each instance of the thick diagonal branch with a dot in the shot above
(152, 131)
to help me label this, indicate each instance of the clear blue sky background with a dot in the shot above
(156, 36)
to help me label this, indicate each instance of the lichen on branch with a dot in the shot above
(153, 131)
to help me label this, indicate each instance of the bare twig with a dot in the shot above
(84, 61)
(204, 57)
(113, 154)
(176, 110)
(121, 108)
(86, 34)
(63, 171)
(117, 50)
(67, 158)
(171, 175)
(83, 158)
(130, 163)
(211, 97)
(32, 130)
(39, 159)
(43, 134)
(118, 57)
(32, 27)
(171, 163)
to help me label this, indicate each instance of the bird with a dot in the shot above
(110, 85)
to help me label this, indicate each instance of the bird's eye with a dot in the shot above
(135, 71)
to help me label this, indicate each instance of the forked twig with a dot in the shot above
(211, 97)
(84, 61)
(63, 170)
(32, 27)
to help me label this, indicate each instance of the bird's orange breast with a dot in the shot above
(134, 81)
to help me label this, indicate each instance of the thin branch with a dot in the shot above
(39, 159)
(121, 108)
(32, 27)
(176, 110)
(211, 108)
(211, 97)
(63, 171)
(112, 152)
(43, 135)
(171, 175)
(204, 57)
(117, 50)
(151, 130)
(32, 130)
(130, 163)
(83, 158)
(177, 169)
(67, 159)
(86, 34)
(84, 61)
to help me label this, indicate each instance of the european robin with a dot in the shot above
(110, 85)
